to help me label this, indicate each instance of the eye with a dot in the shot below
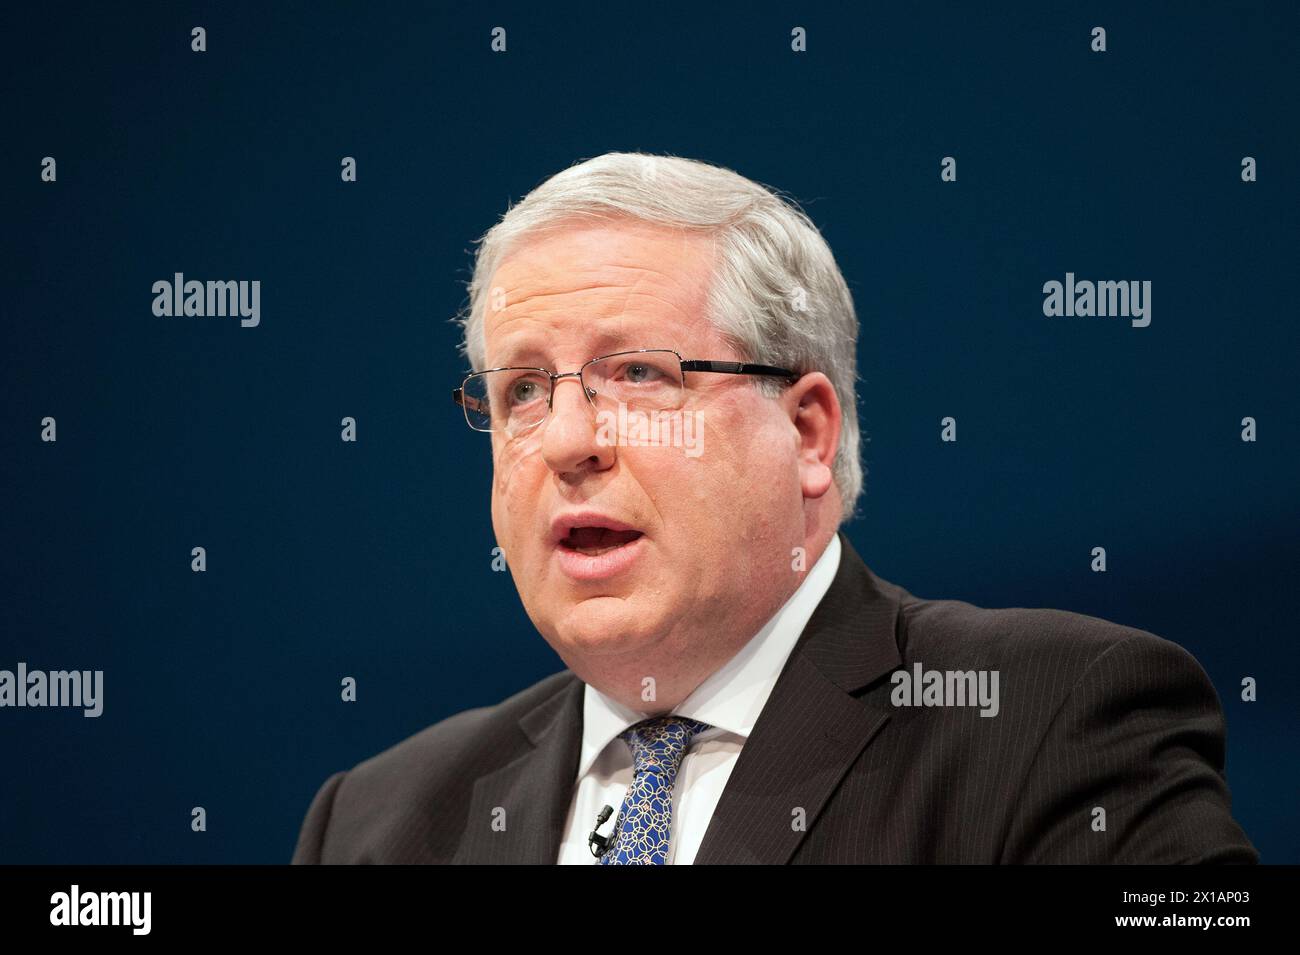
(640, 373)
(523, 390)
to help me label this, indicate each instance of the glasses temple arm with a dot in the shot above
(738, 368)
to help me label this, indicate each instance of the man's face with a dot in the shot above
(711, 555)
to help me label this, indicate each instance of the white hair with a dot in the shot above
(776, 294)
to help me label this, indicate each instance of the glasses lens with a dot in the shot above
(645, 380)
(508, 399)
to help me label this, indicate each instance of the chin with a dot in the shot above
(604, 625)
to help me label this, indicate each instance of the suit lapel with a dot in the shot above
(811, 729)
(535, 789)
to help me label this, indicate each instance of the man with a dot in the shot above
(664, 366)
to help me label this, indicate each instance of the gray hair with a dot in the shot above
(777, 295)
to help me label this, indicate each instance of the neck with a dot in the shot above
(655, 681)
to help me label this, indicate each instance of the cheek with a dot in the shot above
(739, 448)
(747, 480)
(511, 501)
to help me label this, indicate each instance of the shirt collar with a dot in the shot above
(733, 696)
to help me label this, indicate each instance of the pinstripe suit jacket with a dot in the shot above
(1092, 715)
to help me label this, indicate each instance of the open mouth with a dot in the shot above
(593, 541)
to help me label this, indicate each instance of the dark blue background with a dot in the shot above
(372, 559)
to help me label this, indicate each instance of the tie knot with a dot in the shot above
(659, 744)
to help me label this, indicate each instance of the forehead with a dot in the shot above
(586, 288)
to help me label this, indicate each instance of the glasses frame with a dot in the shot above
(459, 396)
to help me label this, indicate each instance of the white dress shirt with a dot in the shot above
(729, 701)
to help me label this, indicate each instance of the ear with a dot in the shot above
(814, 410)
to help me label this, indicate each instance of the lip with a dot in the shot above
(611, 563)
(579, 566)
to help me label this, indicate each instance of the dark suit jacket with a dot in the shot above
(1092, 714)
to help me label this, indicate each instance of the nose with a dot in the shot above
(570, 437)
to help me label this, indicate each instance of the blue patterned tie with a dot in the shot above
(641, 831)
